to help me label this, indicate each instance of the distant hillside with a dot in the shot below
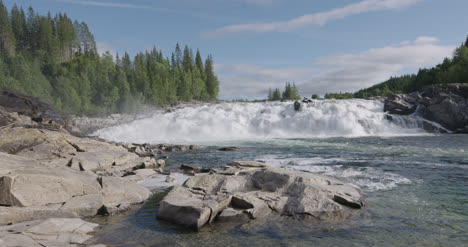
(449, 71)
(55, 58)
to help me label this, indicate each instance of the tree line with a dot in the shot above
(454, 70)
(56, 59)
(290, 93)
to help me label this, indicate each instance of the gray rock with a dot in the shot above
(446, 105)
(120, 191)
(42, 186)
(259, 190)
(50, 232)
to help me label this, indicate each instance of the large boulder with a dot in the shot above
(42, 186)
(448, 113)
(258, 190)
(400, 104)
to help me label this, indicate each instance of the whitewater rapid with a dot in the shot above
(253, 121)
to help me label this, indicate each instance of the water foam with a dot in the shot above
(253, 121)
(368, 178)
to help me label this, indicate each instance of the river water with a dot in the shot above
(416, 184)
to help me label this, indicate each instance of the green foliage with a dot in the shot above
(449, 71)
(315, 96)
(290, 93)
(339, 96)
(56, 59)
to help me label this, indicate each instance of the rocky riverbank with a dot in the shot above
(446, 105)
(49, 178)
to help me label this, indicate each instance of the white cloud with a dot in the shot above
(314, 19)
(343, 72)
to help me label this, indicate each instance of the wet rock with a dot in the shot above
(259, 190)
(232, 215)
(446, 105)
(170, 179)
(297, 105)
(228, 149)
(398, 104)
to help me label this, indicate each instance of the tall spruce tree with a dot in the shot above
(7, 38)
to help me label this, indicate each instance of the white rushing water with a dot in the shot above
(368, 178)
(253, 121)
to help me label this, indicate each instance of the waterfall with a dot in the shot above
(269, 120)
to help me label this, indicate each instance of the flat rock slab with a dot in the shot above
(258, 190)
(50, 232)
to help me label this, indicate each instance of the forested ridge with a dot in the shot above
(454, 70)
(56, 59)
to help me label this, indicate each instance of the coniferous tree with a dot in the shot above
(7, 38)
(56, 59)
(211, 81)
(187, 60)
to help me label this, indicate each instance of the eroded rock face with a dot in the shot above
(25, 105)
(446, 105)
(257, 190)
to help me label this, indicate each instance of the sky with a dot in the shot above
(322, 46)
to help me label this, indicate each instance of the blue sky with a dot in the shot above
(322, 46)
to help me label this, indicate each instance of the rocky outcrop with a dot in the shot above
(50, 232)
(252, 190)
(47, 174)
(36, 110)
(446, 105)
(59, 149)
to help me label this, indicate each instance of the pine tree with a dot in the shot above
(276, 95)
(270, 95)
(199, 62)
(7, 39)
(187, 60)
(178, 55)
(211, 81)
(18, 24)
(466, 42)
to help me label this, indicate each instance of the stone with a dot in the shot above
(297, 105)
(120, 191)
(161, 163)
(232, 215)
(254, 164)
(60, 149)
(191, 210)
(50, 232)
(228, 149)
(398, 104)
(170, 179)
(42, 186)
(446, 105)
(38, 111)
(259, 190)
(83, 206)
